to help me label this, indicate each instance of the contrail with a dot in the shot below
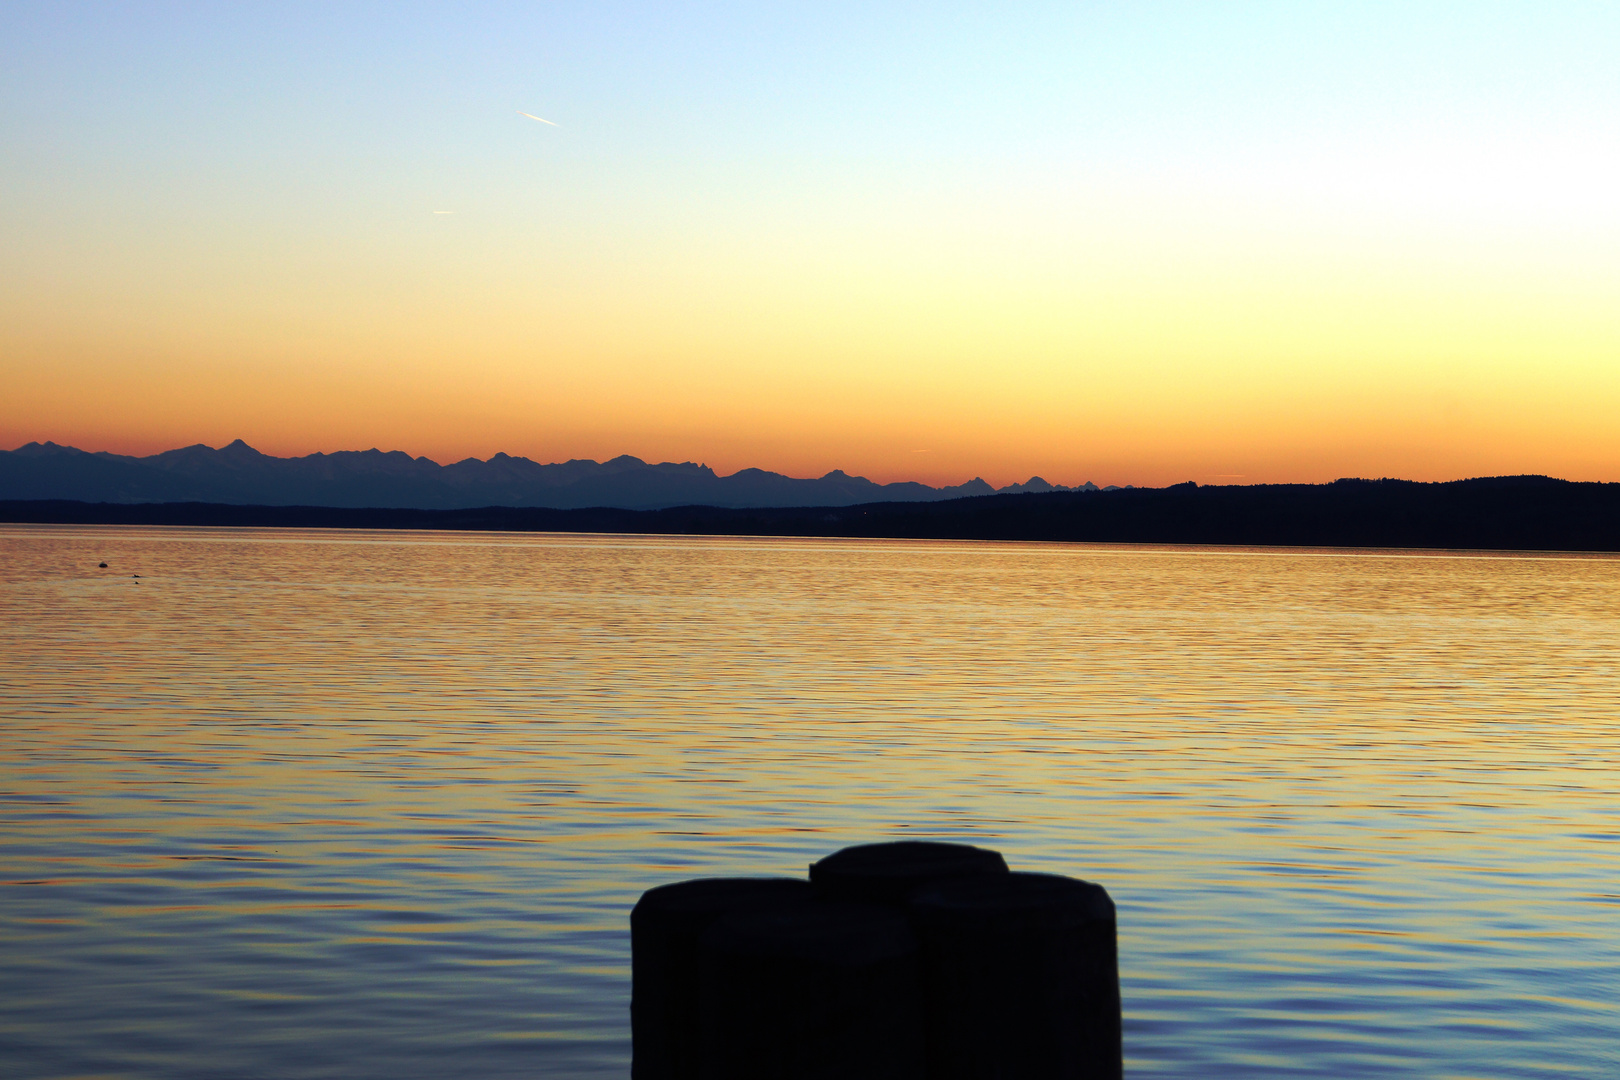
(444, 211)
(542, 119)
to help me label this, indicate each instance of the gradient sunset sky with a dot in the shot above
(1130, 243)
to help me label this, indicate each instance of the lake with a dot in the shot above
(376, 805)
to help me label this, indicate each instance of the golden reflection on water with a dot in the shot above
(376, 804)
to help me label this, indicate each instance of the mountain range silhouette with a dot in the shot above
(240, 475)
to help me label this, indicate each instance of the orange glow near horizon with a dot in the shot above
(1265, 380)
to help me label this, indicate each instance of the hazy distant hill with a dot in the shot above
(1504, 512)
(239, 474)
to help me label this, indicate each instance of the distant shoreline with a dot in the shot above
(1503, 513)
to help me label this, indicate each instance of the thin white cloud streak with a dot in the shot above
(542, 119)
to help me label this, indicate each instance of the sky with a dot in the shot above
(1120, 242)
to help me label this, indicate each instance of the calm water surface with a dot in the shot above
(364, 805)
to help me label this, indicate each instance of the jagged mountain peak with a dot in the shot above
(237, 473)
(41, 449)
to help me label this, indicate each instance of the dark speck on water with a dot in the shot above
(104, 566)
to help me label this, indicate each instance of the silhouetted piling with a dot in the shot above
(889, 873)
(1020, 977)
(665, 927)
(904, 960)
(827, 992)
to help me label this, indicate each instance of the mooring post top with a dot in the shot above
(887, 853)
(888, 872)
(1023, 895)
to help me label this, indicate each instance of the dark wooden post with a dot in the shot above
(888, 873)
(827, 992)
(1020, 978)
(665, 926)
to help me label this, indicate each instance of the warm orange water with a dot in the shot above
(320, 804)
